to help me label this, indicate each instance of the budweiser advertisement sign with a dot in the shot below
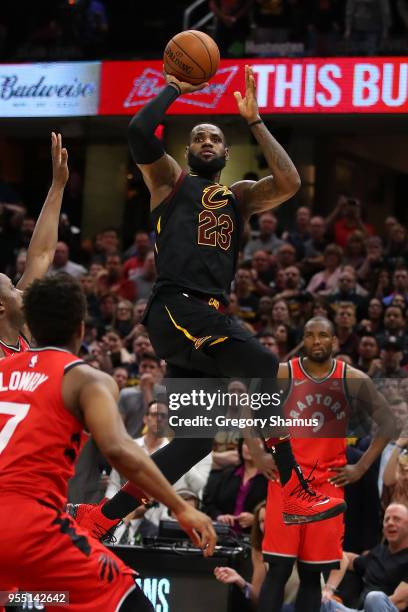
(322, 85)
(49, 90)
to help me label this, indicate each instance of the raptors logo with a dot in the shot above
(215, 196)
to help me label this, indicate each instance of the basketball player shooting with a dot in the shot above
(198, 225)
(47, 397)
(14, 334)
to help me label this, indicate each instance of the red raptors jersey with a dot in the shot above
(39, 438)
(22, 345)
(325, 403)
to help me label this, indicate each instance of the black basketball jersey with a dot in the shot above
(197, 237)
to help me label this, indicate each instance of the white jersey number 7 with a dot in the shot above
(19, 412)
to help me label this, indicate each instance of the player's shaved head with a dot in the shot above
(323, 322)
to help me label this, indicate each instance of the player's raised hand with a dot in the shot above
(248, 106)
(59, 155)
(184, 87)
(199, 528)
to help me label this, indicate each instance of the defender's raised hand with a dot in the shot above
(248, 106)
(59, 154)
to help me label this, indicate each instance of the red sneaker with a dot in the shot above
(301, 504)
(90, 517)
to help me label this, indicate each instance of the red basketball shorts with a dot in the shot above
(318, 545)
(43, 549)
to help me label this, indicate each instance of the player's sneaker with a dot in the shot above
(302, 504)
(90, 517)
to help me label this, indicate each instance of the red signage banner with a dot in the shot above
(310, 85)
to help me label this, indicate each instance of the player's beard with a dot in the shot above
(321, 358)
(206, 168)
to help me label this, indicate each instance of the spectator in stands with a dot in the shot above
(324, 22)
(133, 401)
(374, 260)
(280, 313)
(114, 280)
(120, 375)
(231, 495)
(247, 299)
(293, 294)
(345, 320)
(269, 341)
(394, 326)
(315, 246)
(108, 241)
(395, 476)
(399, 407)
(18, 271)
(285, 339)
(348, 290)
(355, 250)
(228, 575)
(396, 253)
(135, 256)
(225, 446)
(325, 281)
(383, 569)
(368, 351)
(123, 319)
(345, 219)
(286, 255)
(321, 307)
(267, 239)
(367, 25)
(391, 358)
(263, 273)
(62, 262)
(88, 285)
(119, 356)
(232, 23)
(374, 323)
(144, 278)
(400, 286)
(107, 310)
(301, 234)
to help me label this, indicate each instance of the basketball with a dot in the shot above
(191, 56)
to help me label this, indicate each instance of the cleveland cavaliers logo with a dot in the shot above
(215, 196)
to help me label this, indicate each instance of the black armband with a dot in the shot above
(144, 145)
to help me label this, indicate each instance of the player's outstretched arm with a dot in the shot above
(160, 171)
(363, 392)
(92, 396)
(284, 180)
(44, 239)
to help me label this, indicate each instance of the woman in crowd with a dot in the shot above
(123, 319)
(228, 575)
(326, 281)
(374, 322)
(355, 251)
(231, 495)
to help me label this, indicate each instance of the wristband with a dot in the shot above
(173, 84)
(255, 122)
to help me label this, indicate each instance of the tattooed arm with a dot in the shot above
(284, 181)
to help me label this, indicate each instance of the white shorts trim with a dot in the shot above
(132, 588)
